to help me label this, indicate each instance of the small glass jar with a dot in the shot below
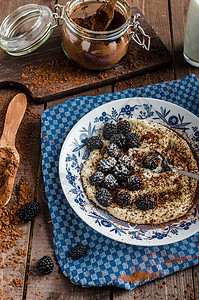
(95, 50)
(29, 26)
(26, 29)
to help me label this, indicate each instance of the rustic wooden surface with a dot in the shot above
(168, 18)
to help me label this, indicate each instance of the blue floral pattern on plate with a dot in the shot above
(74, 153)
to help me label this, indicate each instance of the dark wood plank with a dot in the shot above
(179, 11)
(149, 78)
(179, 285)
(196, 281)
(175, 287)
(47, 74)
(157, 13)
(101, 90)
(13, 253)
(55, 286)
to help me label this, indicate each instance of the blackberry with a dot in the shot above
(103, 197)
(121, 173)
(106, 164)
(151, 161)
(113, 150)
(96, 178)
(94, 142)
(29, 211)
(78, 251)
(118, 139)
(45, 265)
(108, 130)
(132, 140)
(146, 202)
(110, 182)
(134, 183)
(127, 161)
(123, 126)
(123, 199)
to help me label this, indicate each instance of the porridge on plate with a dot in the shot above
(123, 173)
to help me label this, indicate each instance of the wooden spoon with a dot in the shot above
(104, 15)
(9, 157)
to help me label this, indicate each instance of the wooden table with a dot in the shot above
(18, 276)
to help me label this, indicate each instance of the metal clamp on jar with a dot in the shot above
(29, 26)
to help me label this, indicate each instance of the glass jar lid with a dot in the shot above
(26, 29)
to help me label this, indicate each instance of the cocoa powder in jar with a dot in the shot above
(88, 23)
(95, 50)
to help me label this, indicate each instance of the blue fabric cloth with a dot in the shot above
(108, 260)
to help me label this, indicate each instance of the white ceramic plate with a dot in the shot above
(74, 153)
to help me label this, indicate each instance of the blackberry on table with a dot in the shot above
(127, 161)
(29, 211)
(123, 126)
(132, 140)
(118, 139)
(110, 182)
(96, 178)
(134, 183)
(146, 202)
(123, 199)
(94, 142)
(106, 164)
(78, 251)
(45, 265)
(103, 197)
(121, 173)
(108, 130)
(151, 161)
(113, 150)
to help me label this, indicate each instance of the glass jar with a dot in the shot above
(191, 42)
(29, 26)
(95, 50)
(26, 29)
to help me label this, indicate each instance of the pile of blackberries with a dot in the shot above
(115, 170)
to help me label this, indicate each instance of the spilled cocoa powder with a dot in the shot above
(139, 276)
(8, 167)
(10, 230)
(180, 259)
(16, 283)
(52, 76)
(14, 234)
(10, 236)
(58, 73)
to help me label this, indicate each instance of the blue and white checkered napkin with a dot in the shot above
(109, 262)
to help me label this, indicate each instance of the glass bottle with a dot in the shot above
(191, 42)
